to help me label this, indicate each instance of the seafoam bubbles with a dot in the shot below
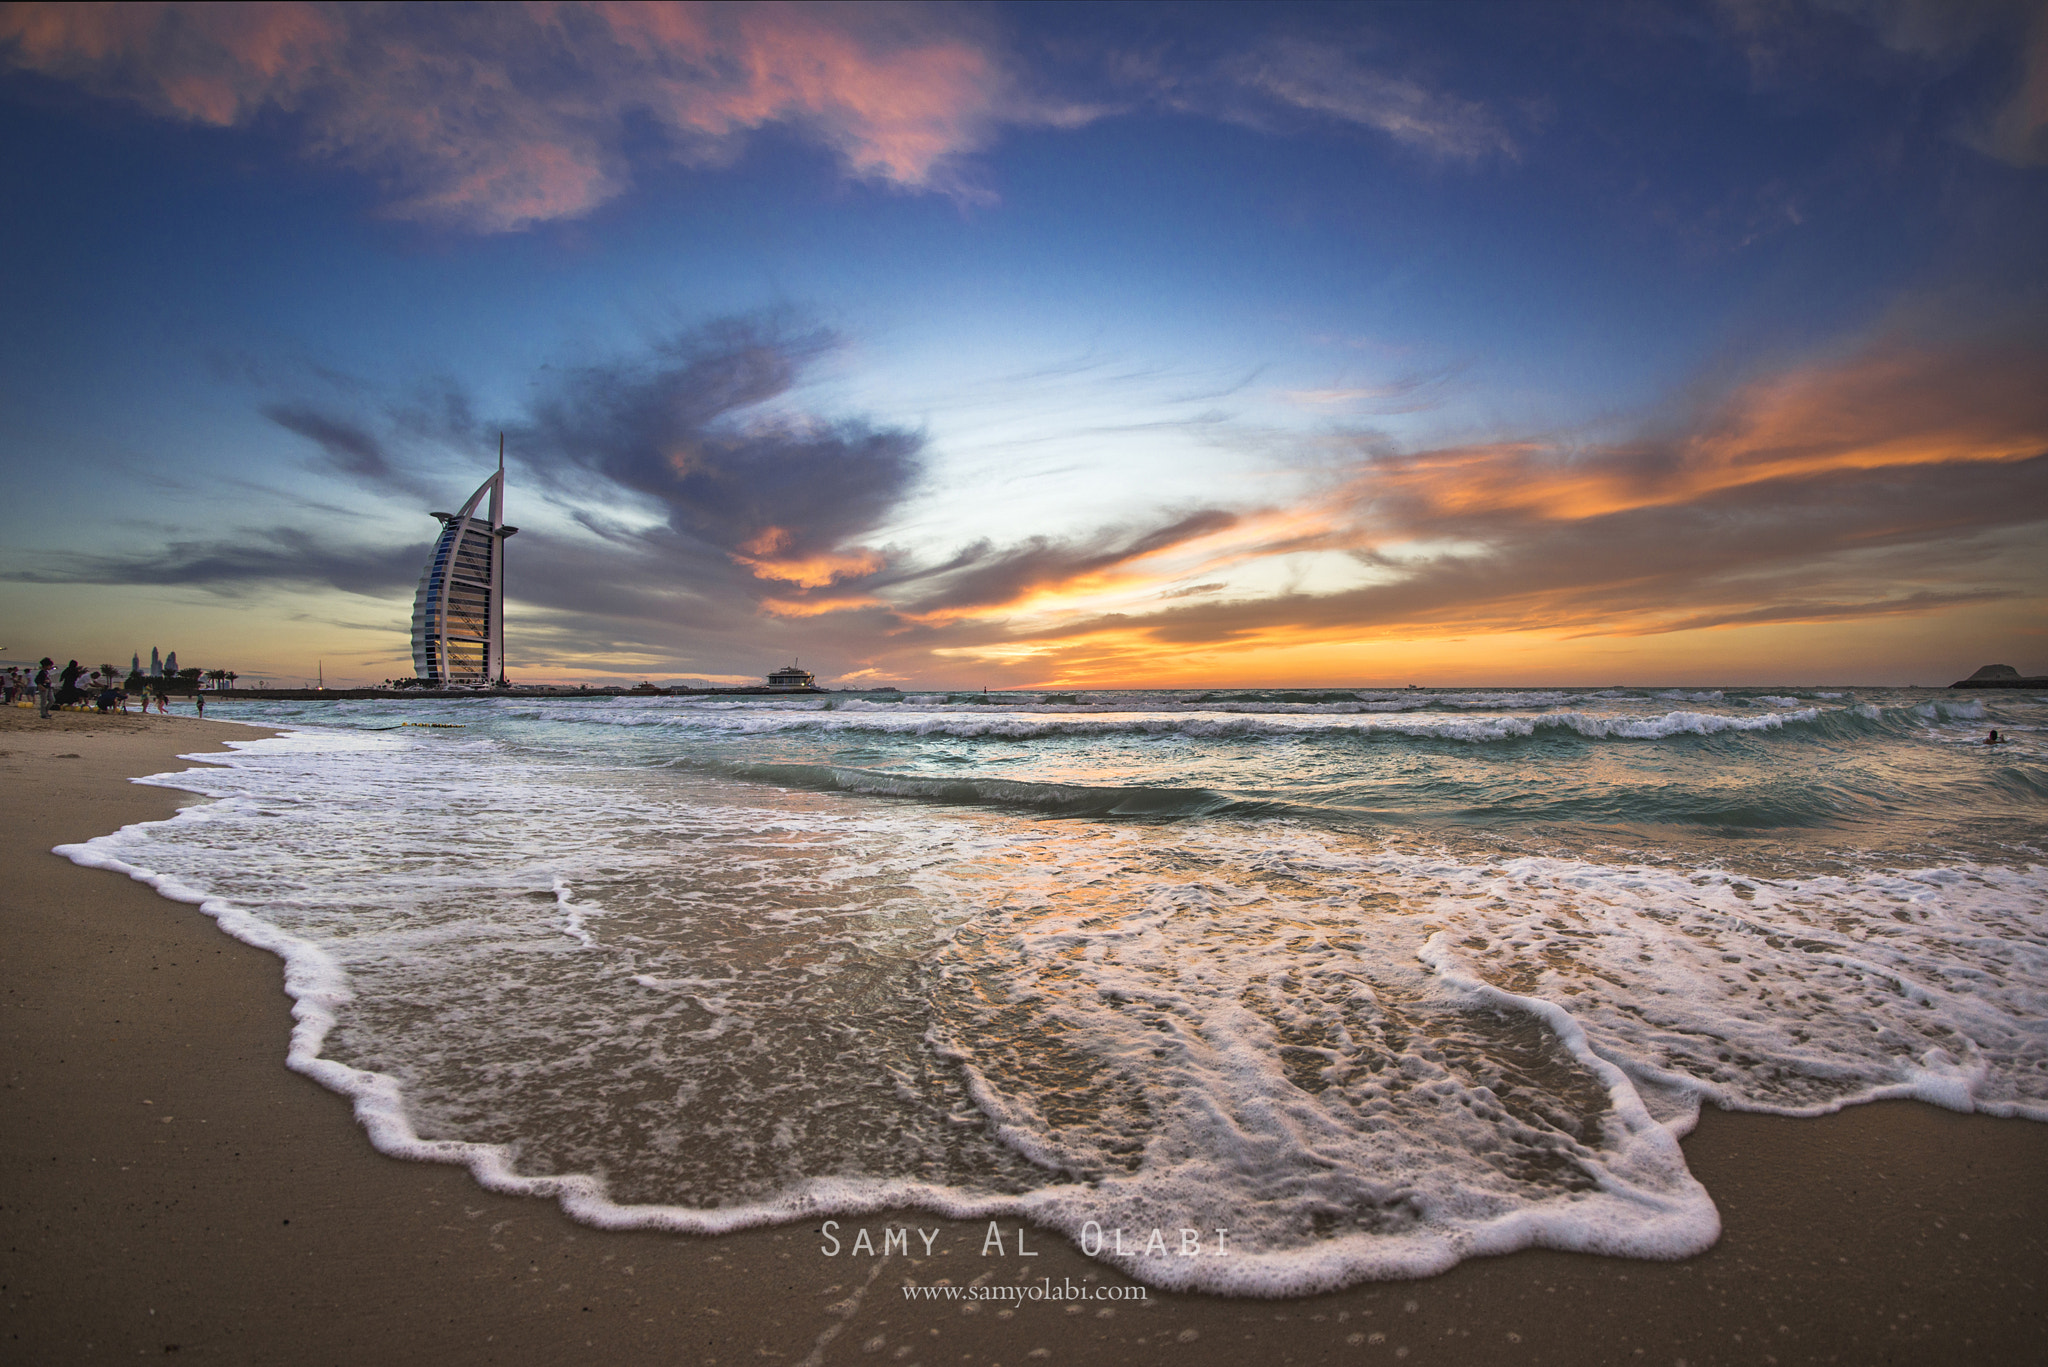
(1794, 996)
(1214, 1041)
(670, 1001)
(552, 970)
(700, 998)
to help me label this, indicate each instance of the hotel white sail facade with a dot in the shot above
(458, 616)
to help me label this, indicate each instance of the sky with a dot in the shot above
(1035, 346)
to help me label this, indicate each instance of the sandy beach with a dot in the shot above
(170, 1188)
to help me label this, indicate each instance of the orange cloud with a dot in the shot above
(498, 117)
(815, 571)
(1895, 406)
(815, 607)
(767, 541)
(805, 571)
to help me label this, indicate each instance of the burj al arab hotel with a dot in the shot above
(458, 616)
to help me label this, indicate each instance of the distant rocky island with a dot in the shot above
(2001, 676)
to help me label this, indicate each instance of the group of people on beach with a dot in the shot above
(74, 687)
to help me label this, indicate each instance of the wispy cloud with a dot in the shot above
(1413, 393)
(1786, 40)
(497, 117)
(2016, 131)
(1337, 83)
(985, 578)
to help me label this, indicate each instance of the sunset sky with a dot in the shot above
(1036, 345)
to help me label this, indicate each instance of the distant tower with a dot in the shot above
(135, 663)
(156, 664)
(171, 665)
(458, 616)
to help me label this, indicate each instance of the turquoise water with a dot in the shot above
(1374, 981)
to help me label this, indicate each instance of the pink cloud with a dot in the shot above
(496, 118)
(214, 64)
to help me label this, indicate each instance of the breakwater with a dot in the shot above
(445, 694)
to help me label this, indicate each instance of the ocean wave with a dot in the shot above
(1968, 709)
(1017, 724)
(1060, 799)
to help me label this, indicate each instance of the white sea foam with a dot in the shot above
(1364, 1059)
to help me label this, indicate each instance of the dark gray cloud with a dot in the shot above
(253, 559)
(697, 427)
(348, 448)
(420, 444)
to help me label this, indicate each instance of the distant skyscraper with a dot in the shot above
(171, 665)
(156, 664)
(458, 616)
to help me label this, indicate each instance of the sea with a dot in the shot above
(1249, 992)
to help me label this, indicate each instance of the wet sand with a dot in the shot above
(168, 1188)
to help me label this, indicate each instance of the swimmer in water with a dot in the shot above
(1994, 739)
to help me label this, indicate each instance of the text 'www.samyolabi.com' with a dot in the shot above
(1044, 1291)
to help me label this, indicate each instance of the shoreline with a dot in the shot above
(169, 1182)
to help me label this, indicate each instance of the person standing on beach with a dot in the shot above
(199, 703)
(45, 695)
(67, 685)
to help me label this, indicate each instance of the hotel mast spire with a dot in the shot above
(458, 615)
